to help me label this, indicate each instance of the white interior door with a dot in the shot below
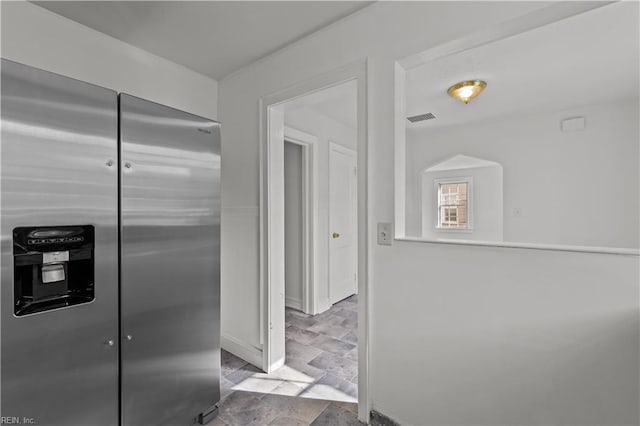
(343, 199)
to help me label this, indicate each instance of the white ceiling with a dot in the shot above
(339, 103)
(590, 58)
(214, 38)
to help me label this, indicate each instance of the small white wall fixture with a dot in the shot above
(272, 135)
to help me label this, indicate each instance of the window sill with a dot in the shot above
(454, 230)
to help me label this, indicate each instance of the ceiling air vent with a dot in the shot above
(421, 117)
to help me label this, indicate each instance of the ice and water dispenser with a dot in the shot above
(53, 267)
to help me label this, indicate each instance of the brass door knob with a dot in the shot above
(335, 235)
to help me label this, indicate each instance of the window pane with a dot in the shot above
(452, 205)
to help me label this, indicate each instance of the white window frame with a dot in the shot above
(436, 184)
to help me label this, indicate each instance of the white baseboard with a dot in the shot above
(294, 303)
(243, 350)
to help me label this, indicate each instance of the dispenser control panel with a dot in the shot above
(53, 267)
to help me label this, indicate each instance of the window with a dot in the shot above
(453, 206)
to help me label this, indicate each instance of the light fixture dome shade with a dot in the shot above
(466, 90)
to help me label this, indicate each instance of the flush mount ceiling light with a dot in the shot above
(466, 90)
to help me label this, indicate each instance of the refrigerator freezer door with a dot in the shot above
(170, 251)
(58, 136)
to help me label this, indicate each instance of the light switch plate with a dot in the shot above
(385, 234)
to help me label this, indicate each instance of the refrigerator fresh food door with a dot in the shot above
(59, 230)
(170, 263)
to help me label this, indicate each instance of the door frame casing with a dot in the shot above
(270, 115)
(308, 144)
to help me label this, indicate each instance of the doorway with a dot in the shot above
(300, 218)
(274, 109)
(321, 337)
(293, 230)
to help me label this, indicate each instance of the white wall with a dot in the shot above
(325, 128)
(37, 37)
(516, 336)
(572, 188)
(485, 204)
(293, 231)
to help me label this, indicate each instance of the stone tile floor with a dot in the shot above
(316, 386)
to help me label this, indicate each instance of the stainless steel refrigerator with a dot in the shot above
(110, 298)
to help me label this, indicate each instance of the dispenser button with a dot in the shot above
(55, 256)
